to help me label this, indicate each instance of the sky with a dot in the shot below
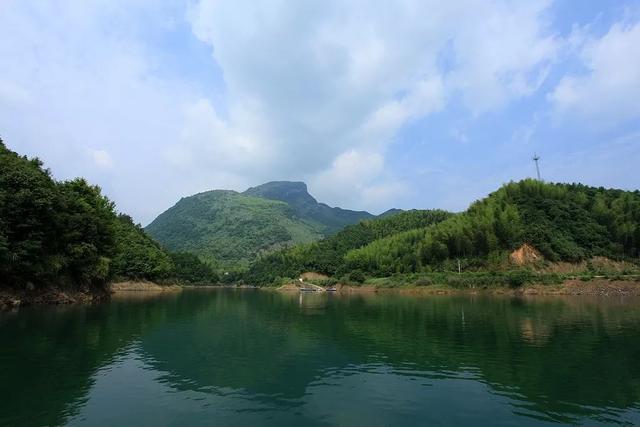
(374, 104)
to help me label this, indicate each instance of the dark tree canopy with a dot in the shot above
(68, 234)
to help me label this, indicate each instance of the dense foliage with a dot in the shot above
(235, 228)
(327, 256)
(230, 227)
(564, 222)
(138, 256)
(67, 233)
(189, 268)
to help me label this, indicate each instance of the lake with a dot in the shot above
(250, 357)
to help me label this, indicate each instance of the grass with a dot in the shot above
(468, 280)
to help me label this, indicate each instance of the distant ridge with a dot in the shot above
(306, 206)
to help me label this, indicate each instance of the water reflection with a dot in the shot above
(272, 358)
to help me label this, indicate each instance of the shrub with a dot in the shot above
(423, 281)
(357, 276)
(518, 278)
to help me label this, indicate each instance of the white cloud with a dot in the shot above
(356, 176)
(502, 50)
(609, 92)
(86, 79)
(313, 90)
(332, 79)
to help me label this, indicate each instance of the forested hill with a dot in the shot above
(295, 194)
(68, 234)
(327, 255)
(235, 228)
(230, 227)
(564, 222)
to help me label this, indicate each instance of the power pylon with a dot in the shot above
(535, 159)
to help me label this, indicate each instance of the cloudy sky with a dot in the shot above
(375, 104)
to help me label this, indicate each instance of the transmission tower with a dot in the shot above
(535, 159)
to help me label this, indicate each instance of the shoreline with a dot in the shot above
(14, 298)
(570, 287)
(11, 299)
(141, 286)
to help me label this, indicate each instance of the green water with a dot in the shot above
(224, 357)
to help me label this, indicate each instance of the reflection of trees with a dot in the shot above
(561, 355)
(60, 349)
(554, 356)
(252, 342)
(576, 359)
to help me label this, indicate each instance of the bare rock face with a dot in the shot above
(525, 255)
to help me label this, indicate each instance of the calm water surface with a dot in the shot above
(225, 357)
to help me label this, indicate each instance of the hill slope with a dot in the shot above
(565, 222)
(331, 220)
(234, 228)
(327, 255)
(230, 227)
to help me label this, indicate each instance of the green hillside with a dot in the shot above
(565, 222)
(230, 227)
(235, 228)
(327, 255)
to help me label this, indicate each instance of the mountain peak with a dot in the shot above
(293, 192)
(306, 206)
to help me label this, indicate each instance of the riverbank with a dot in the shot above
(594, 287)
(142, 286)
(15, 298)
(12, 298)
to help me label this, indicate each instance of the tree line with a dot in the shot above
(564, 222)
(328, 255)
(66, 233)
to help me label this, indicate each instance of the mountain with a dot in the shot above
(296, 195)
(560, 222)
(233, 228)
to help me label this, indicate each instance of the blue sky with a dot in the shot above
(410, 104)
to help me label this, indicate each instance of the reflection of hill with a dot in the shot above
(548, 351)
(60, 349)
(560, 358)
(253, 342)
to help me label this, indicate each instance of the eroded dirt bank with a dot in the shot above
(142, 286)
(15, 298)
